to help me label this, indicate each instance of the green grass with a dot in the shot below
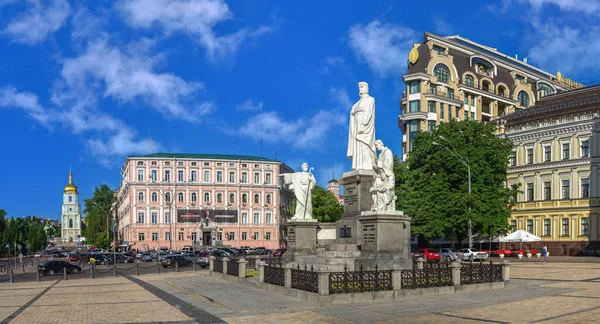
(251, 273)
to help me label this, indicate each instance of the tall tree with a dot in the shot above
(436, 186)
(98, 213)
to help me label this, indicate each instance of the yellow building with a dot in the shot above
(555, 161)
(455, 78)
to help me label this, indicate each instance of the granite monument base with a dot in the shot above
(385, 240)
(357, 197)
(302, 238)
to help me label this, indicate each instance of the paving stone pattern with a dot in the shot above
(558, 292)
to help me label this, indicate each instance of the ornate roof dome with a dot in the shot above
(71, 187)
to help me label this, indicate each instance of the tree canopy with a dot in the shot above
(432, 185)
(98, 216)
(26, 232)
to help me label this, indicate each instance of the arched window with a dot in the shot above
(70, 198)
(154, 197)
(269, 199)
(502, 91)
(140, 196)
(244, 198)
(256, 199)
(206, 197)
(231, 198)
(546, 88)
(523, 99)
(168, 197)
(194, 197)
(469, 80)
(442, 72)
(485, 85)
(70, 223)
(180, 197)
(219, 197)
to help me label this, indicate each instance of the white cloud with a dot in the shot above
(587, 6)
(28, 102)
(441, 26)
(331, 62)
(341, 98)
(43, 17)
(384, 47)
(302, 133)
(248, 105)
(196, 18)
(128, 75)
(109, 137)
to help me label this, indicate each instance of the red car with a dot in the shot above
(279, 252)
(428, 254)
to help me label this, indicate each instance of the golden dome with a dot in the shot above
(70, 187)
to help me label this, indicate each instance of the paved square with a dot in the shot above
(558, 292)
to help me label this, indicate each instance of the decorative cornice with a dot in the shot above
(550, 165)
(550, 129)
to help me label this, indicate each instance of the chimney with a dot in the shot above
(516, 56)
(525, 60)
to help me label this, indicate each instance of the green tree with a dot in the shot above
(37, 237)
(97, 210)
(435, 183)
(326, 207)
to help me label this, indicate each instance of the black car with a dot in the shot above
(56, 266)
(171, 260)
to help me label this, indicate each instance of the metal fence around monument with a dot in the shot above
(433, 274)
(306, 279)
(360, 281)
(274, 274)
(480, 272)
(251, 263)
(218, 265)
(233, 267)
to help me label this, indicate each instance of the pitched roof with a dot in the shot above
(229, 157)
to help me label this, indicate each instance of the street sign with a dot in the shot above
(78, 236)
(78, 243)
(19, 246)
(7, 245)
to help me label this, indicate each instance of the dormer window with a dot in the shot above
(440, 50)
(442, 72)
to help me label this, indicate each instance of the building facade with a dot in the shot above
(455, 78)
(71, 213)
(171, 201)
(334, 187)
(555, 161)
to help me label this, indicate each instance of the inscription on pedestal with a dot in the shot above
(369, 233)
(350, 198)
(291, 237)
(345, 232)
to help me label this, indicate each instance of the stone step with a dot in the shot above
(323, 261)
(339, 254)
(341, 247)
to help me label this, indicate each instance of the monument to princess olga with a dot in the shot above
(371, 232)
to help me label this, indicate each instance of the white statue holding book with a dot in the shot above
(383, 190)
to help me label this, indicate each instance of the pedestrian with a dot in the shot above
(545, 252)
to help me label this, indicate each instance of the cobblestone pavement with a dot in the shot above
(555, 293)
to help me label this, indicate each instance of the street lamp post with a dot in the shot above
(105, 213)
(466, 163)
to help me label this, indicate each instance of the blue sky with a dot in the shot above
(84, 83)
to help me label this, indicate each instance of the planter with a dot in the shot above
(528, 255)
(501, 255)
(538, 254)
(547, 253)
(520, 255)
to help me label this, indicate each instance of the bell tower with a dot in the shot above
(71, 214)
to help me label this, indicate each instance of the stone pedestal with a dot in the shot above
(357, 199)
(385, 240)
(302, 238)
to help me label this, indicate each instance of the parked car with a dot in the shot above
(122, 258)
(146, 257)
(279, 252)
(57, 266)
(37, 255)
(472, 254)
(219, 254)
(428, 254)
(202, 259)
(448, 254)
(171, 260)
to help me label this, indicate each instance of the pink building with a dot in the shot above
(334, 187)
(170, 201)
